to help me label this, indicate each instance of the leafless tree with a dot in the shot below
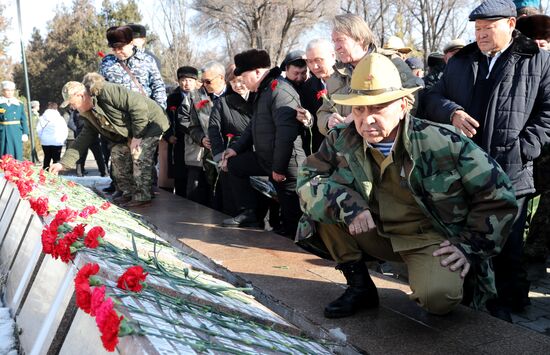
(273, 25)
(179, 51)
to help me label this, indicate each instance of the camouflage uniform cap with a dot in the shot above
(69, 90)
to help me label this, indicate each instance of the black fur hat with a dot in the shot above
(534, 26)
(187, 72)
(119, 36)
(138, 30)
(250, 60)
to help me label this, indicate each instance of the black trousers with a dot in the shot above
(95, 147)
(198, 189)
(510, 276)
(51, 152)
(246, 164)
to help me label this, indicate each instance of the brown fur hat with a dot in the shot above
(534, 26)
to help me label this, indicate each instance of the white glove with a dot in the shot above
(24, 138)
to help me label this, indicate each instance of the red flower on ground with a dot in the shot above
(274, 84)
(321, 94)
(71, 183)
(97, 299)
(64, 198)
(132, 279)
(88, 211)
(105, 205)
(94, 237)
(42, 178)
(201, 104)
(82, 286)
(108, 321)
(39, 205)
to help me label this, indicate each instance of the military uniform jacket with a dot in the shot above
(463, 191)
(145, 70)
(118, 115)
(13, 124)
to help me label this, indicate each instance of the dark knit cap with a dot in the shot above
(119, 36)
(250, 60)
(494, 10)
(187, 72)
(138, 30)
(534, 26)
(296, 57)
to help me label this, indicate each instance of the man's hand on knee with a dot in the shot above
(456, 259)
(362, 223)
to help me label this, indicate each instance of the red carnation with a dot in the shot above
(71, 184)
(39, 205)
(230, 136)
(108, 321)
(321, 94)
(172, 108)
(64, 198)
(88, 211)
(101, 54)
(274, 84)
(82, 286)
(132, 279)
(97, 299)
(105, 205)
(42, 178)
(92, 239)
(201, 104)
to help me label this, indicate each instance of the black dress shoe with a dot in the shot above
(498, 311)
(110, 189)
(246, 219)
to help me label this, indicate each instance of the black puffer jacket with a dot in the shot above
(273, 129)
(517, 122)
(230, 115)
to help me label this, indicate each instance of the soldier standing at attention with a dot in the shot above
(13, 122)
(402, 189)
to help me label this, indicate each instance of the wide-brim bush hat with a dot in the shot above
(375, 81)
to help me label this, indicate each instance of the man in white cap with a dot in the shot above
(452, 47)
(402, 189)
(497, 92)
(13, 122)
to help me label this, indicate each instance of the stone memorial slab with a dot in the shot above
(45, 305)
(84, 336)
(15, 233)
(24, 264)
(7, 213)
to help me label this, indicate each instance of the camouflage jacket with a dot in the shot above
(464, 192)
(117, 114)
(144, 68)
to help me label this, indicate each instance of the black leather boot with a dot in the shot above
(246, 218)
(361, 292)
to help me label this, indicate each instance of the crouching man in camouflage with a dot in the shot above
(131, 122)
(402, 189)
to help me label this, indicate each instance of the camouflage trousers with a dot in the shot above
(133, 173)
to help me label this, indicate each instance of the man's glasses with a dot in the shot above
(208, 81)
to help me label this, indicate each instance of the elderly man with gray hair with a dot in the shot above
(320, 59)
(497, 92)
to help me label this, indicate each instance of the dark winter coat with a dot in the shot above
(517, 120)
(176, 152)
(273, 130)
(230, 115)
(311, 101)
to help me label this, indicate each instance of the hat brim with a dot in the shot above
(490, 18)
(367, 100)
(64, 104)
(405, 50)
